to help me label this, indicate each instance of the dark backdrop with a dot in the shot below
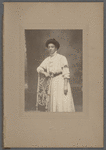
(70, 46)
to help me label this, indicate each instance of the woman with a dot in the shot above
(56, 68)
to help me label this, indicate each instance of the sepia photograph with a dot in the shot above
(53, 70)
(53, 75)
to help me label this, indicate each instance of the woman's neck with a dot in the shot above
(53, 54)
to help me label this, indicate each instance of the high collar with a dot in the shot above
(55, 53)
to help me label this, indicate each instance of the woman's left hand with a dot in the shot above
(65, 90)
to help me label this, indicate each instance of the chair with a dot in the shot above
(43, 92)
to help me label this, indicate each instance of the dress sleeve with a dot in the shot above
(65, 67)
(43, 66)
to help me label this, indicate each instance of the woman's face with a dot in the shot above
(51, 48)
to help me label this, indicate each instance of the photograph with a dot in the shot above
(53, 70)
(53, 75)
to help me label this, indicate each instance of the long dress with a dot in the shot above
(59, 102)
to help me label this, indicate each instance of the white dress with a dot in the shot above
(59, 101)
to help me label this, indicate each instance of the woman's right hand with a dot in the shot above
(47, 74)
(40, 70)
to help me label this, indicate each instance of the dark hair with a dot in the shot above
(53, 41)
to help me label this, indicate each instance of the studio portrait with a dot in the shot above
(53, 75)
(53, 71)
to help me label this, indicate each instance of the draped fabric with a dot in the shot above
(57, 100)
(43, 91)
